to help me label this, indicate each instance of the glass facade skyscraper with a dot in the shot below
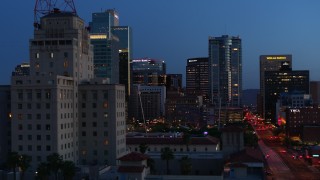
(225, 72)
(106, 58)
(102, 22)
(106, 46)
(124, 34)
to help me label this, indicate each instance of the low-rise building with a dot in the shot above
(133, 166)
(246, 164)
(176, 144)
(203, 153)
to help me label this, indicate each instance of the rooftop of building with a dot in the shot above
(207, 140)
(248, 155)
(134, 156)
(58, 13)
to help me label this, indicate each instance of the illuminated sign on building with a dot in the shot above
(98, 36)
(192, 60)
(276, 57)
(295, 110)
(25, 65)
(141, 60)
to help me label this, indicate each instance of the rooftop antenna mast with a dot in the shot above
(45, 7)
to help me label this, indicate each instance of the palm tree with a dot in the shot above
(24, 164)
(167, 154)
(43, 171)
(185, 165)
(55, 163)
(143, 148)
(12, 162)
(68, 170)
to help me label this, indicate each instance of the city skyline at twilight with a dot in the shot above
(174, 32)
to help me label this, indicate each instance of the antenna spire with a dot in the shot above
(45, 7)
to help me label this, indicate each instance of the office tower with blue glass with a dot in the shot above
(225, 72)
(106, 46)
(124, 35)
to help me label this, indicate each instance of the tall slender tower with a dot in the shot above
(225, 72)
(106, 46)
(124, 34)
(44, 104)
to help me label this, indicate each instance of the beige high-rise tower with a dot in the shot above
(44, 105)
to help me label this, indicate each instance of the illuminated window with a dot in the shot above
(105, 104)
(48, 94)
(106, 142)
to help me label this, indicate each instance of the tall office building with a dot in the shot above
(270, 63)
(282, 81)
(225, 72)
(102, 22)
(106, 46)
(106, 57)
(197, 77)
(148, 76)
(44, 104)
(124, 34)
(147, 102)
(148, 72)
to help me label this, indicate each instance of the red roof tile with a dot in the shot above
(134, 156)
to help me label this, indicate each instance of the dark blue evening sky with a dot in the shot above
(175, 30)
